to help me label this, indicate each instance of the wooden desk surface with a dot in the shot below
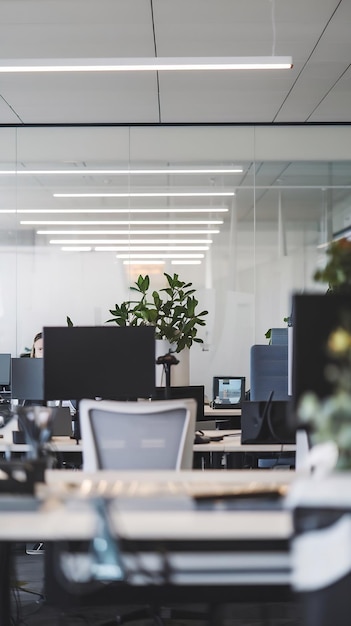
(231, 443)
(156, 508)
(67, 510)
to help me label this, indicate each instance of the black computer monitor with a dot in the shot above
(5, 369)
(109, 362)
(192, 391)
(315, 317)
(228, 391)
(27, 379)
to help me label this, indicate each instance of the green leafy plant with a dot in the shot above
(337, 272)
(172, 311)
(329, 419)
(287, 320)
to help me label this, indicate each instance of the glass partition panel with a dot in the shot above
(8, 240)
(243, 213)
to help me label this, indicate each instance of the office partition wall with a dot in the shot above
(243, 212)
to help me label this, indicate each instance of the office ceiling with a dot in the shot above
(316, 33)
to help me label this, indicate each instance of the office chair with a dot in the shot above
(269, 372)
(135, 436)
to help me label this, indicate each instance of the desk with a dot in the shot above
(163, 534)
(229, 452)
(210, 455)
(211, 413)
(229, 417)
(231, 442)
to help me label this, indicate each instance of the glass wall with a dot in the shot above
(242, 212)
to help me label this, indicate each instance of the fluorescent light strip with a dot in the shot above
(128, 241)
(148, 261)
(144, 64)
(160, 256)
(152, 248)
(121, 172)
(120, 222)
(185, 262)
(151, 210)
(132, 231)
(149, 194)
(125, 242)
(76, 249)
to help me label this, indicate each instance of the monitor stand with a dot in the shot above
(76, 424)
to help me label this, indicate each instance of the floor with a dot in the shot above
(29, 607)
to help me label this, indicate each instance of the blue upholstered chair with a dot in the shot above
(269, 372)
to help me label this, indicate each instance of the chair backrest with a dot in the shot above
(137, 435)
(279, 336)
(269, 372)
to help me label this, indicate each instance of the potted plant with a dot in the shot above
(328, 419)
(172, 310)
(337, 271)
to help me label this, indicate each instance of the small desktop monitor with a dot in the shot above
(108, 362)
(5, 369)
(27, 379)
(192, 391)
(228, 391)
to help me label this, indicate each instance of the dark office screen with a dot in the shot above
(5, 369)
(315, 316)
(193, 391)
(27, 379)
(109, 362)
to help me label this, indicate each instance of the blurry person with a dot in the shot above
(37, 351)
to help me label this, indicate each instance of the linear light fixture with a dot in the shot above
(148, 261)
(161, 262)
(176, 255)
(169, 209)
(149, 194)
(144, 64)
(131, 242)
(154, 248)
(185, 262)
(121, 222)
(131, 231)
(76, 249)
(125, 171)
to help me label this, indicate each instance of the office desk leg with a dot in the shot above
(5, 584)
